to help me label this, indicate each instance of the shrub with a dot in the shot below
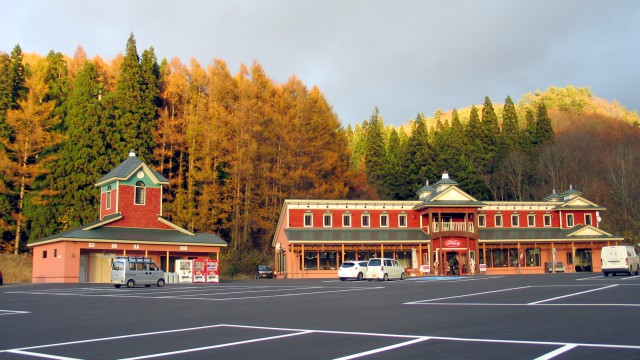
(16, 268)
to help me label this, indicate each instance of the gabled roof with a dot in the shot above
(579, 203)
(127, 168)
(450, 197)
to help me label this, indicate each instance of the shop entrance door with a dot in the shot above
(583, 260)
(455, 263)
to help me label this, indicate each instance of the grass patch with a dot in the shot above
(16, 268)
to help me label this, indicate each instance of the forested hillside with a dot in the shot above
(235, 146)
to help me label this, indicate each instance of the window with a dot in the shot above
(531, 220)
(402, 220)
(308, 219)
(569, 258)
(482, 220)
(310, 260)
(547, 220)
(55, 253)
(569, 220)
(108, 197)
(327, 220)
(532, 257)
(140, 196)
(384, 220)
(346, 219)
(44, 254)
(498, 220)
(500, 257)
(365, 220)
(587, 219)
(515, 220)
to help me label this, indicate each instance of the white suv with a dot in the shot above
(384, 269)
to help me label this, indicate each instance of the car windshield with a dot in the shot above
(363, 264)
(347, 265)
(374, 262)
(263, 267)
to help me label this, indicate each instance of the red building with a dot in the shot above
(131, 223)
(445, 232)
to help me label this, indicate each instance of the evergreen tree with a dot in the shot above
(510, 128)
(59, 84)
(416, 160)
(131, 111)
(392, 166)
(544, 131)
(374, 155)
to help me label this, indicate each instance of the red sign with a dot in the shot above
(452, 243)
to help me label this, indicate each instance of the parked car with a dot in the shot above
(384, 269)
(620, 259)
(353, 270)
(264, 272)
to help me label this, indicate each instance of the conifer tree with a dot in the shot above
(131, 112)
(374, 155)
(544, 131)
(510, 128)
(416, 160)
(392, 166)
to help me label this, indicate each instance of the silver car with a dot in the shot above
(353, 270)
(385, 269)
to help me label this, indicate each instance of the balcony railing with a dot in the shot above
(449, 226)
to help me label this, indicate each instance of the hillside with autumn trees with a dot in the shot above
(234, 146)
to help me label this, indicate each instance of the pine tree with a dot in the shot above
(392, 166)
(416, 160)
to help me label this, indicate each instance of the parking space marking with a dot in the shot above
(569, 295)
(382, 349)
(217, 346)
(466, 295)
(406, 340)
(13, 312)
(187, 294)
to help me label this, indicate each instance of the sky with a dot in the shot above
(404, 57)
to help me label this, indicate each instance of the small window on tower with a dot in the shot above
(109, 197)
(140, 193)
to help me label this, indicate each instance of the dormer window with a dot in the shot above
(140, 193)
(108, 202)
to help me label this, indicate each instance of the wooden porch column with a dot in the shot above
(302, 261)
(381, 250)
(167, 264)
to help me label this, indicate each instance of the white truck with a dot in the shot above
(133, 270)
(620, 259)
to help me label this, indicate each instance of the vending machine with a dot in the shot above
(213, 271)
(184, 268)
(199, 270)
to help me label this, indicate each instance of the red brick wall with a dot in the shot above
(139, 216)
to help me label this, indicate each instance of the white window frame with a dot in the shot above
(495, 220)
(570, 223)
(529, 222)
(590, 221)
(326, 216)
(143, 189)
(386, 219)
(304, 220)
(346, 216)
(368, 217)
(482, 220)
(515, 217)
(545, 217)
(108, 200)
(400, 220)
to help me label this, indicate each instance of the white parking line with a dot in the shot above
(556, 352)
(569, 295)
(382, 349)
(466, 295)
(13, 312)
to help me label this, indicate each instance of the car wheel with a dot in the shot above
(402, 276)
(342, 279)
(637, 269)
(147, 285)
(117, 286)
(359, 278)
(386, 277)
(160, 282)
(131, 283)
(606, 274)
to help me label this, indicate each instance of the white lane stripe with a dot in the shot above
(569, 295)
(467, 295)
(556, 352)
(503, 304)
(13, 312)
(216, 346)
(382, 349)
(46, 356)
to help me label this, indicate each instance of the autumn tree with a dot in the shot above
(30, 125)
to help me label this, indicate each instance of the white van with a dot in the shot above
(620, 259)
(384, 269)
(133, 270)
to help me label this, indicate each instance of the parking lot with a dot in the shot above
(552, 316)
